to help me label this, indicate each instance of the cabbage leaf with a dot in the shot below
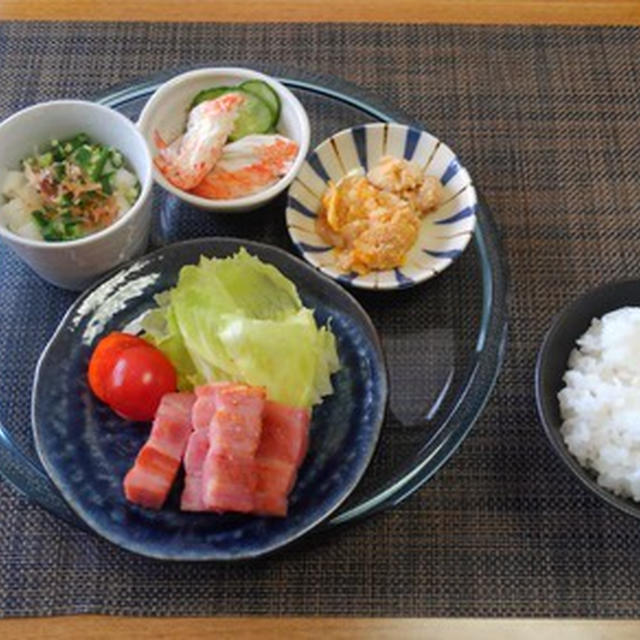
(242, 320)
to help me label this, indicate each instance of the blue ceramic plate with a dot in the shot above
(444, 234)
(87, 449)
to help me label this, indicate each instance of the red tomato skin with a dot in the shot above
(140, 376)
(104, 357)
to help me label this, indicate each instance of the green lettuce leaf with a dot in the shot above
(242, 320)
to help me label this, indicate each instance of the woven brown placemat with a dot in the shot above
(547, 122)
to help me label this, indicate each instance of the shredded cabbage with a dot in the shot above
(241, 319)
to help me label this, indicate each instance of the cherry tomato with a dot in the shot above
(104, 357)
(140, 376)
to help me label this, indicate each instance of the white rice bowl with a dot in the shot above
(600, 405)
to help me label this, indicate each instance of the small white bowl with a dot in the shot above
(444, 233)
(166, 112)
(77, 263)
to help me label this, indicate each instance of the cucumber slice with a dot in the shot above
(265, 93)
(255, 115)
(209, 94)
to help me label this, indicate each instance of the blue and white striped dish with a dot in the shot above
(444, 233)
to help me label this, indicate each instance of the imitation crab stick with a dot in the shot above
(189, 158)
(248, 165)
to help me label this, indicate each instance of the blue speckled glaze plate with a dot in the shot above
(443, 233)
(87, 450)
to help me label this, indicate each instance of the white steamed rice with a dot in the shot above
(600, 406)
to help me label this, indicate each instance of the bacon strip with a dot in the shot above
(241, 452)
(283, 446)
(149, 481)
(229, 474)
(198, 445)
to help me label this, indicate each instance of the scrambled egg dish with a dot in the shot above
(373, 220)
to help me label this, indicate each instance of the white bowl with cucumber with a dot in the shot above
(262, 133)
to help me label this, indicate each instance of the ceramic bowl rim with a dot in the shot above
(424, 274)
(233, 204)
(146, 181)
(552, 431)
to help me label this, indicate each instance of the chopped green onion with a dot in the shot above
(133, 193)
(105, 182)
(71, 230)
(59, 171)
(54, 231)
(82, 157)
(66, 199)
(45, 159)
(39, 217)
(97, 167)
(58, 153)
(116, 158)
(69, 165)
(71, 144)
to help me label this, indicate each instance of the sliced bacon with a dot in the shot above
(229, 483)
(241, 453)
(237, 424)
(149, 481)
(283, 446)
(270, 504)
(205, 405)
(275, 478)
(285, 432)
(198, 445)
(194, 457)
(229, 474)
